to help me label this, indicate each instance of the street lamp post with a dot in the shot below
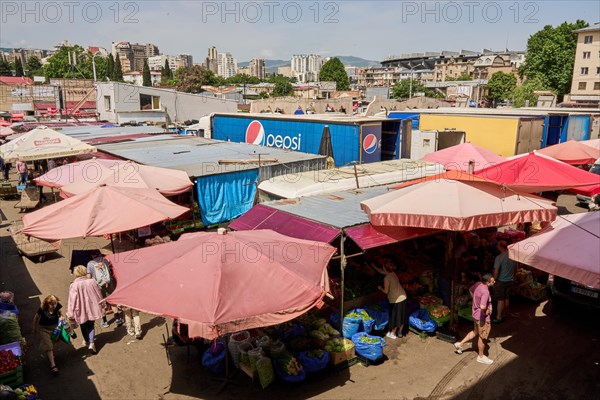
(94, 65)
(411, 78)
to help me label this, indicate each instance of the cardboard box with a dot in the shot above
(337, 358)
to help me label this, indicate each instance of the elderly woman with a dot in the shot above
(84, 305)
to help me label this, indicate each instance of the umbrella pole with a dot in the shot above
(342, 278)
(112, 244)
(226, 379)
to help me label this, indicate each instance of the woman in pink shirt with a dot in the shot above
(84, 305)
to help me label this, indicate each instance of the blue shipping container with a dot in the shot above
(358, 141)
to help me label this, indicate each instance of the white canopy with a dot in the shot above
(42, 143)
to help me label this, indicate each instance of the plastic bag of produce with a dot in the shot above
(264, 368)
(278, 349)
(234, 341)
(421, 320)
(334, 319)
(380, 313)
(244, 348)
(289, 369)
(314, 360)
(365, 322)
(293, 331)
(350, 326)
(253, 356)
(9, 326)
(213, 358)
(264, 343)
(370, 347)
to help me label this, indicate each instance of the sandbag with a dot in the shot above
(370, 347)
(421, 320)
(266, 374)
(234, 341)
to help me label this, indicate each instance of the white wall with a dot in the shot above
(180, 106)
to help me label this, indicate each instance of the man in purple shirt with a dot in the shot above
(481, 311)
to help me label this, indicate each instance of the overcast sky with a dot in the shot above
(278, 29)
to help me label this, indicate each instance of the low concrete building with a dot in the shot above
(121, 103)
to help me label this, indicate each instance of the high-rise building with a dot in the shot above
(257, 68)
(151, 50)
(306, 67)
(227, 65)
(211, 61)
(185, 60)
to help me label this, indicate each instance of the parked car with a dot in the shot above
(561, 289)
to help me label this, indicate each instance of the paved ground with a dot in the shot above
(538, 353)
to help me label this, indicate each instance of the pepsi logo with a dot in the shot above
(255, 133)
(369, 143)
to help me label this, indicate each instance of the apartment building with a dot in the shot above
(132, 55)
(156, 63)
(212, 62)
(226, 65)
(585, 86)
(257, 68)
(306, 67)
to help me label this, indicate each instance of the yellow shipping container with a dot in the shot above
(504, 135)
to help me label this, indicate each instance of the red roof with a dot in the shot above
(15, 80)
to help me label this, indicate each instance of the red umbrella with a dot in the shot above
(572, 152)
(100, 211)
(464, 156)
(537, 173)
(223, 283)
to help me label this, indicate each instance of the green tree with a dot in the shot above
(167, 70)
(118, 71)
(192, 79)
(402, 90)
(283, 87)
(551, 56)
(4, 67)
(110, 67)
(34, 66)
(146, 77)
(19, 67)
(501, 86)
(242, 79)
(166, 75)
(333, 70)
(524, 94)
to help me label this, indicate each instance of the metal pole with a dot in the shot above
(356, 175)
(94, 66)
(342, 284)
(410, 90)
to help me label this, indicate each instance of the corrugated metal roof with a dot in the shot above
(339, 209)
(200, 156)
(97, 131)
(311, 183)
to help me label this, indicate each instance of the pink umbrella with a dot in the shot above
(5, 131)
(223, 283)
(569, 248)
(572, 152)
(100, 211)
(537, 173)
(93, 170)
(169, 182)
(456, 206)
(464, 156)
(595, 143)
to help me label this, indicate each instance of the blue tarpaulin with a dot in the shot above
(226, 196)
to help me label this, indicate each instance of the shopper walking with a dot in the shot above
(84, 305)
(132, 322)
(481, 311)
(46, 320)
(99, 270)
(504, 271)
(23, 173)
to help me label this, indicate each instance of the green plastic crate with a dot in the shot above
(13, 378)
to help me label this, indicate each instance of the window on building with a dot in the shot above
(587, 39)
(148, 102)
(586, 55)
(584, 70)
(107, 106)
(597, 70)
(596, 85)
(582, 85)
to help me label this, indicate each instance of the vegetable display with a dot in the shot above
(8, 361)
(338, 345)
